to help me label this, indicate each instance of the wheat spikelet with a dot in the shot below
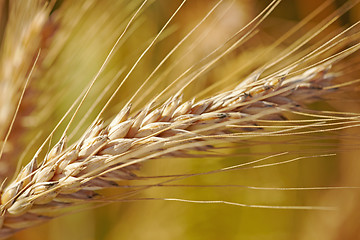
(109, 154)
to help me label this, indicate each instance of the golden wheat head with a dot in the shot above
(154, 122)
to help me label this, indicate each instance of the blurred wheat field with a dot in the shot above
(75, 41)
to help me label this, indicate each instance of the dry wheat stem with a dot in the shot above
(108, 154)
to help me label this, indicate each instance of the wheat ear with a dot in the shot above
(26, 33)
(106, 155)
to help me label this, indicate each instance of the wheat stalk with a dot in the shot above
(108, 154)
